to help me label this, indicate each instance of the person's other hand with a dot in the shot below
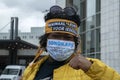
(80, 62)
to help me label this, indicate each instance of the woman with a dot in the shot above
(64, 61)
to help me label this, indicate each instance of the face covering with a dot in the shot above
(60, 50)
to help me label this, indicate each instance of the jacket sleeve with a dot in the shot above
(100, 71)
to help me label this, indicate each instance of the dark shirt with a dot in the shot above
(46, 70)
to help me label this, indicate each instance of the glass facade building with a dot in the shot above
(100, 29)
(89, 30)
(90, 27)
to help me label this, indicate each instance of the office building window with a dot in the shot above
(82, 9)
(24, 37)
(37, 37)
(90, 41)
(83, 43)
(90, 4)
(83, 26)
(98, 20)
(4, 37)
(31, 37)
(97, 40)
(98, 5)
(90, 22)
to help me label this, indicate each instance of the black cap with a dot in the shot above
(68, 13)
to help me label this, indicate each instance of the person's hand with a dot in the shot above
(80, 62)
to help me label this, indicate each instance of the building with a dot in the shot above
(31, 37)
(21, 50)
(100, 29)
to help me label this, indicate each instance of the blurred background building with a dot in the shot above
(31, 37)
(18, 47)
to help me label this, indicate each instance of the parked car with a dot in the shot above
(12, 72)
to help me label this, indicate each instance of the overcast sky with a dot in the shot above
(29, 12)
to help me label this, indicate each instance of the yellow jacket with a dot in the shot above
(98, 71)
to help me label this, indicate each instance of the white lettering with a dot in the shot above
(70, 30)
(58, 28)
